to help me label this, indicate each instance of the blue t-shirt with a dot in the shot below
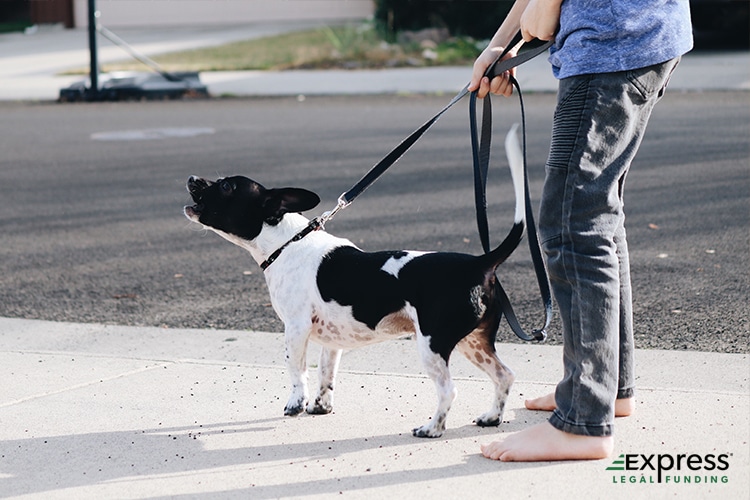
(604, 36)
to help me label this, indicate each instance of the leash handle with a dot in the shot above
(481, 145)
(492, 71)
(498, 67)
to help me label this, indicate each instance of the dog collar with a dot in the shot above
(314, 225)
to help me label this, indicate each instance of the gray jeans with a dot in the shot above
(598, 126)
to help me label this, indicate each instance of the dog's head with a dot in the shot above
(239, 206)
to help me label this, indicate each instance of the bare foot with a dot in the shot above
(542, 443)
(623, 407)
(544, 403)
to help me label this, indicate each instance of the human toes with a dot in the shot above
(493, 450)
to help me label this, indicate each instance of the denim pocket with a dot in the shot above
(652, 80)
(551, 206)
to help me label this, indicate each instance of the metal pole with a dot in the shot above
(94, 61)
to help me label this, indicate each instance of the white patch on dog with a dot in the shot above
(394, 265)
(475, 296)
(515, 160)
(437, 369)
(334, 327)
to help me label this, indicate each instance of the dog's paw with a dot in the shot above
(489, 419)
(323, 403)
(319, 409)
(291, 411)
(483, 421)
(433, 429)
(427, 431)
(294, 407)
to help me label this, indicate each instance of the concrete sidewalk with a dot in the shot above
(30, 66)
(92, 411)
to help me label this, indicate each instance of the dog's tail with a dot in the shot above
(515, 235)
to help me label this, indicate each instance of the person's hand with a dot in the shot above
(499, 85)
(536, 19)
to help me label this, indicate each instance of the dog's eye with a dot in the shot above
(226, 187)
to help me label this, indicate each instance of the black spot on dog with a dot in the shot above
(354, 278)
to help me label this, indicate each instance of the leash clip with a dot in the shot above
(316, 224)
(326, 216)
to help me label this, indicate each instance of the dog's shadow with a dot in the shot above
(43, 464)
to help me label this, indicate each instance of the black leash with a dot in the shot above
(480, 151)
(481, 145)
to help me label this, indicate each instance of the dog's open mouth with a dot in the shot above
(195, 187)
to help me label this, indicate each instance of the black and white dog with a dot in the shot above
(327, 290)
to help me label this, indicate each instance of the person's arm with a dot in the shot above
(536, 19)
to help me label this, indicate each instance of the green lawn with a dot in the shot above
(348, 47)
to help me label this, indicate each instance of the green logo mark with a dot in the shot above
(618, 464)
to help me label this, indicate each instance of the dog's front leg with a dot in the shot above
(329, 365)
(437, 369)
(296, 361)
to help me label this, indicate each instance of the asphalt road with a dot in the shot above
(92, 228)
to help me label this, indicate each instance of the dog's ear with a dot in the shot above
(287, 200)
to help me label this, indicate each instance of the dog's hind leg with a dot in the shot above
(437, 368)
(329, 365)
(296, 361)
(479, 348)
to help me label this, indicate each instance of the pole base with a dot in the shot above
(136, 86)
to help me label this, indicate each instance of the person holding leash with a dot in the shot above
(613, 60)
